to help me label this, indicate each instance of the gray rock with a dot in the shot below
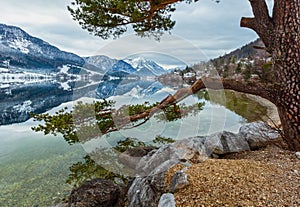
(178, 181)
(131, 157)
(169, 155)
(250, 136)
(224, 143)
(145, 191)
(61, 205)
(97, 193)
(258, 134)
(167, 200)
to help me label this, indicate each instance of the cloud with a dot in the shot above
(203, 30)
(169, 45)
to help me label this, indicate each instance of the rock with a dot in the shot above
(167, 200)
(250, 136)
(145, 191)
(258, 134)
(131, 157)
(224, 143)
(97, 193)
(149, 185)
(298, 155)
(178, 181)
(61, 205)
(161, 160)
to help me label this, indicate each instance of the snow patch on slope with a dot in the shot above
(64, 69)
(20, 44)
(24, 107)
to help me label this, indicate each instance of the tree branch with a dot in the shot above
(249, 23)
(255, 88)
(262, 23)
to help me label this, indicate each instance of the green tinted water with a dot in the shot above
(34, 168)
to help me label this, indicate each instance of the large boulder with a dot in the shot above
(146, 191)
(225, 142)
(258, 134)
(159, 161)
(97, 193)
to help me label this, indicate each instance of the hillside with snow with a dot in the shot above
(22, 50)
(19, 50)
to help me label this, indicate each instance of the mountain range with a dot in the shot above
(23, 51)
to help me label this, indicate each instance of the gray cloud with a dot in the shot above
(203, 30)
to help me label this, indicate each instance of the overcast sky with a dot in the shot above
(203, 30)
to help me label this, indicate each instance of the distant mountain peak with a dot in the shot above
(135, 62)
(145, 67)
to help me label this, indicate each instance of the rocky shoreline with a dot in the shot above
(272, 118)
(187, 173)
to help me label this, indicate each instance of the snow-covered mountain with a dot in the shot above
(121, 69)
(101, 62)
(25, 51)
(18, 49)
(145, 67)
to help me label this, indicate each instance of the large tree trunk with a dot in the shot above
(286, 58)
(281, 35)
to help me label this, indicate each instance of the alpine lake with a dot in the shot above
(36, 170)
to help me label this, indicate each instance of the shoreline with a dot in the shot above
(272, 118)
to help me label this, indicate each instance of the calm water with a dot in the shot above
(34, 167)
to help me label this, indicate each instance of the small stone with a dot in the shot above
(178, 181)
(61, 205)
(298, 155)
(167, 200)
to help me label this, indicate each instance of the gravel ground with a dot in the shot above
(267, 177)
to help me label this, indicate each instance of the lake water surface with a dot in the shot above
(34, 167)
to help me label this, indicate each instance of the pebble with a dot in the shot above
(298, 155)
(255, 178)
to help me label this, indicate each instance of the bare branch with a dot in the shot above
(248, 22)
(262, 23)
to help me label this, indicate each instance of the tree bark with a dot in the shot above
(281, 35)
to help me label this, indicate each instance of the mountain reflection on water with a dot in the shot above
(32, 163)
(18, 100)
